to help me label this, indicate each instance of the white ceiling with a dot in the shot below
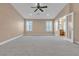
(28, 13)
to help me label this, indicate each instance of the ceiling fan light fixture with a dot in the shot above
(39, 7)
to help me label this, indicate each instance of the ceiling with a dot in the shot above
(28, 13)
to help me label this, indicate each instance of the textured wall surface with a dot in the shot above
(11, 22)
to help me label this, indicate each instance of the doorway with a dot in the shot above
(70, 27)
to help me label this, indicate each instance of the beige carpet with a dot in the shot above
(39, 46)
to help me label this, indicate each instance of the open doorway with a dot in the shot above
(70, 27)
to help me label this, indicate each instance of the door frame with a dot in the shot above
(72, 39)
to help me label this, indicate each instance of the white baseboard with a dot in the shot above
(64, 38)
(70, 40)
(6, 41)
(77, 42)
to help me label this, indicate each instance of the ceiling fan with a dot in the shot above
(38, 7)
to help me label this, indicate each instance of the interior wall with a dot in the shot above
(76, 21)
(39, 28)
(63, 16)
(74, 7)
(66, 10)
(11, 22)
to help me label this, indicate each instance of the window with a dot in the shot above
(48, 26)
(29, 26)
(56, 25)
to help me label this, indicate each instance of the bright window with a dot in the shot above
(29, 26)
(56, 26)
(48, 26)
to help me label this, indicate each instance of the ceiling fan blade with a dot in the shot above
(35, 10)
(41, 10)
(43, 7)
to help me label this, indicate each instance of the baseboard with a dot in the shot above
(38, 35)
(6, 41)
(69, 40)
(76, 42)
(64, 38)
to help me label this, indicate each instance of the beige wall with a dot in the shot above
(76, 21)
(63, 14)
(74, 7)
(66, 10)
(11, 23)
(38, 28)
